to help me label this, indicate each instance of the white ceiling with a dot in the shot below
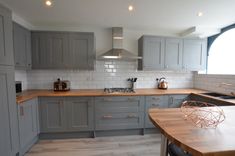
(166, 15)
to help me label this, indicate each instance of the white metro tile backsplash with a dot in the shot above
(215, 83)
(108, 74)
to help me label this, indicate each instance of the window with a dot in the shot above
(221, 58)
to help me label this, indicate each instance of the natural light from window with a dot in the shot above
(221, 58)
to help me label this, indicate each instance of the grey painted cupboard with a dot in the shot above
(154, 102)
(173, 54)
(194, 54)
(6, 47)
(151, 49)
(116, 113)
(165, 53)
(175, 101)
(9, 137)
(66, 114)
(63, 50)
(28, 124)
(22, 47)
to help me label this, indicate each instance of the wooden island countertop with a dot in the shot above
(198, 141)
(30, 94)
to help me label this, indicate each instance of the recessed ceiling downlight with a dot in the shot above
(130, 8)
(48, 3)
(200, 14)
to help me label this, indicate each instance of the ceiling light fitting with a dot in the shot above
(200, 14)
(130, 8)
(48, 3)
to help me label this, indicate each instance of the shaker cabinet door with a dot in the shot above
(52, 115)
(81, 51)
(194, 54)
(173, 54)
(151, 49)
(80, 111)
(6, 40)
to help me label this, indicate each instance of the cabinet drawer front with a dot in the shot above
(157, 101)
(117, 98)
(111, 121)
(116, 106)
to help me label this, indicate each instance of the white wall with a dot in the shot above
(214, 83)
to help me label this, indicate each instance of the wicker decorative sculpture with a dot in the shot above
(202, 114)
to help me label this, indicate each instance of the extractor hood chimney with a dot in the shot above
(117, 51)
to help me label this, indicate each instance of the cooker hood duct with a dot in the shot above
(117, 51)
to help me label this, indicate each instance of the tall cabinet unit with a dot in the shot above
(22, 47)
(9, 137)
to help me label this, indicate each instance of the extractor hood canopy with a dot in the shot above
(117, 51)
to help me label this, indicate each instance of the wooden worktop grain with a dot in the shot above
(198, 141)
(30, 94)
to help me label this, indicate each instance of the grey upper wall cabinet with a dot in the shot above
(22, 47)
(173, 54)
(194, 54)
(9, 137)
(6, 41)
(165, 53)
(151, 49)
(63, 50)
(81, 51)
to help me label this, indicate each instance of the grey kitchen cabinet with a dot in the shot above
(80, 113)
(116, 113)
(22, 47)
(28, 124)
(62, 50)
(154, 102)
(6, 40)
(175, 101)
(81, 51)
(9, 136)
(151, 49)
(52, 114)
(49, 50)
(173, 54)
(194, 54)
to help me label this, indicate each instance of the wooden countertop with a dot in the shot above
(29, 94)
(198, 141)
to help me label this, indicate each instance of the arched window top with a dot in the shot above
(221, 58)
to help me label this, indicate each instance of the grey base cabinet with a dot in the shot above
(114, 113)
(28, 124)
(66, 114)
(9, 137)
(175, 101)
(80, 114)
(154, 102)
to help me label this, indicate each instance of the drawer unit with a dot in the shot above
(154, 102)
(112, 113)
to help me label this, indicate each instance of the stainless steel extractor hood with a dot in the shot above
(117, 51)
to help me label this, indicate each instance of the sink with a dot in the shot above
(227, 97)
(214, 94)
(222, 96)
